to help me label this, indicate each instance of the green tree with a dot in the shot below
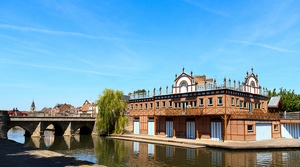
(290, 100)
(111, 107)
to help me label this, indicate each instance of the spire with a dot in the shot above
(32, 107)
(32, 104)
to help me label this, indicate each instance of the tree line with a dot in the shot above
(290, 100)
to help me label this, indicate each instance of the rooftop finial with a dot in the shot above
(252, 70)
(183, 70)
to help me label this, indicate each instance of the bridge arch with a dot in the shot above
(26, 131)
(58, 129)
(84, 130)
(27, 127)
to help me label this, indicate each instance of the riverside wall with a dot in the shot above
(3, 124)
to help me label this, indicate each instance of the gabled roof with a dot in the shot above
(85, 107)
(275, 102)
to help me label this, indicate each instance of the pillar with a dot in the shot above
(69, 131)
(174, 131)
(37, 131)
(94, 132)
(160, 90)
(3, 124)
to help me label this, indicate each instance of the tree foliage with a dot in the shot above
(140, 91)
(111, 107)
(290, 100)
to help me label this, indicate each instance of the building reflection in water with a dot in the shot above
(49, 138)
(110, 152)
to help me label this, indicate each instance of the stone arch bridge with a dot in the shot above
(35, 126)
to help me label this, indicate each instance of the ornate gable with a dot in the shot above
(251, 80)
(183, 77)
(251, 83)
(183, 83)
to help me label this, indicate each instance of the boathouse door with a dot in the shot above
(190, 129)
(289, 130)
(150, 126)
(216, 131)
(263, 131)
(136, 126)
(169, 128)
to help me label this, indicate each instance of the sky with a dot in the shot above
(71, 51)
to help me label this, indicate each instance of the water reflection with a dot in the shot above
(111, 152)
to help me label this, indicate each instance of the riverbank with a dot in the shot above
(231, 145)
(16, 154)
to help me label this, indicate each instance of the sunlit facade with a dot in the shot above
(196, 107)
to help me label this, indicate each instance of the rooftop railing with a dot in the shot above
(200, 88)
(290, 115)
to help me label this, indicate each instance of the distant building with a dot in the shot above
(32, 107)
(88, 109)
(62, 109)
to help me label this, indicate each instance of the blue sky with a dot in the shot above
(70, 51)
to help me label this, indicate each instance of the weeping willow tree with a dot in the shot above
(111, 107)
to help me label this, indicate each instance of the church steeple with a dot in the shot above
(32, 107)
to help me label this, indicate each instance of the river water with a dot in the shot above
(112, 152)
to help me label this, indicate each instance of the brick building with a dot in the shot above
(198, 108)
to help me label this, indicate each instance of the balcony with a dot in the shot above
(254, 115)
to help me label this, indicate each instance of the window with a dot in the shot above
(252, 84)
(241, 104)
(201, 102)
(250, 128)
(210, 101)
(194, 103)
(220, 101)
(136, 106)
(170, 104)
(163, 104)
(276, 127)
(237, 102)
(178, 104)
(263, 105)
(146, 106)
(141, 106)
(131, 106)
(157, 104)
(175, 105)
(245, 104)
(232, 101)
(183, 84)
(151, 105)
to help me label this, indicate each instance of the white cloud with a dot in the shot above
(198, 4)
(263, 45)
(46, 31)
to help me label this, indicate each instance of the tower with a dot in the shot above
(32, 107)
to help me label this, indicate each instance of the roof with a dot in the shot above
(32, 104)
(126, 98)
(274, 102)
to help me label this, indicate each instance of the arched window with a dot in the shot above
(252, 84)
(183, 84)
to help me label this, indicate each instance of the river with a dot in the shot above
(112, 152)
